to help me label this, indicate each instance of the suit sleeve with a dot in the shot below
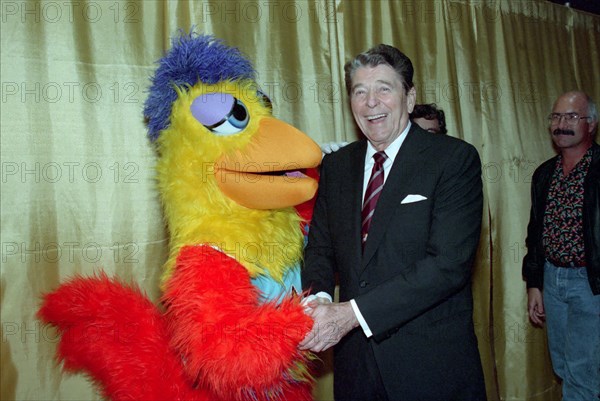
(445, 269)
(318, 273)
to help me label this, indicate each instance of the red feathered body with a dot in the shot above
(214, 342)
(113, 333)
(229, 341)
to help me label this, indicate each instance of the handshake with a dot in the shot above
(332, 321)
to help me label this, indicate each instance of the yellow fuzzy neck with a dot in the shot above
(263, 241)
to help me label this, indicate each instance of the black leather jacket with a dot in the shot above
(533, 263)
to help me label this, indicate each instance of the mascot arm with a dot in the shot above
(226, 337)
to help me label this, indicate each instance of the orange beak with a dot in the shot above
(266, 174)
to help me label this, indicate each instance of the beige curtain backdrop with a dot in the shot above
(78, 191)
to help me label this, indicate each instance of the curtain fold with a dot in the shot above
(78, 189)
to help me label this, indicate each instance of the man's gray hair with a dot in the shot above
(381, 54)
(592, 109)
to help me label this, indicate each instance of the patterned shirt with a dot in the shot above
(563, 221)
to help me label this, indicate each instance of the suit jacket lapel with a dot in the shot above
(352, 198)
(405, 168)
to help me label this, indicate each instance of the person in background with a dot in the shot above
(430, 118)
(397, 221)
(562, 264)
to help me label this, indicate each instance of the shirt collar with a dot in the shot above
(581, 166)
(393, 148)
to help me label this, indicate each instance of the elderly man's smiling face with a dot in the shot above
(380, 104)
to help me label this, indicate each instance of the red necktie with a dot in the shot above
(372, 193)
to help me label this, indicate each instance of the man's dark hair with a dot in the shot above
(430, 112)
(381, 54)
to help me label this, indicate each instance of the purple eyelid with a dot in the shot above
(211, 108)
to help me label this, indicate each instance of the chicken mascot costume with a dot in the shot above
(230, 318)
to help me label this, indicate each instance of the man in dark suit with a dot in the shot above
(403, 328)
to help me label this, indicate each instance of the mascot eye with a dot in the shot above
(221, 113)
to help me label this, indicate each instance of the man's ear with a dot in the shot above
(592, 128)
(411, 99)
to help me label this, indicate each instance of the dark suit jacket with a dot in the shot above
(412, 283)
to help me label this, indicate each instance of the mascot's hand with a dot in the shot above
(331, 147)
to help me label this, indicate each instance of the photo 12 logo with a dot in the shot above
(70, 252)
(53, 12)
(231, 11)
(70, 92)
(71, 172)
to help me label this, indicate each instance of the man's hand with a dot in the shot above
(535, 306)
(332, 322)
